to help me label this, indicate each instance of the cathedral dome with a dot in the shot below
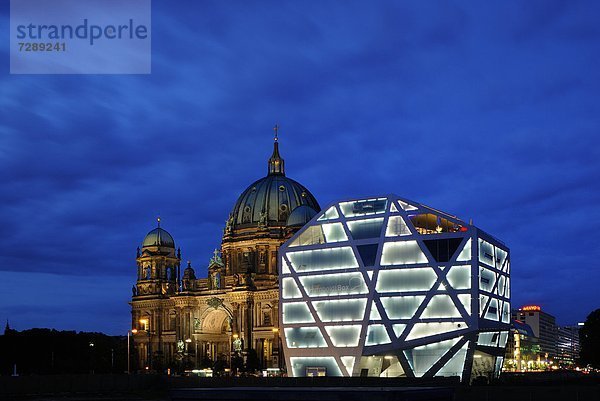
(300, 216)
(159, 237)
(270, 200)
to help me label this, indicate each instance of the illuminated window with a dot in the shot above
(311, 236)
(330, 214)
(422, 358)
(369, 228)
(459, 277)
(300, 365)
(296, 312)
(399, 280)
(455, 366)
(334, 232)
(364, 207)
(486, 252)
(396, 227)
(429, 223)
(334, 284)
(401, 307)
(440, 306)
(376, 334)
(304, 337)
(421, 330)
(402, 253)
(290, 289)
(344, 336)
(465, 254)
(406, 206)
(341, 310)
(323, 259)
(487, 279)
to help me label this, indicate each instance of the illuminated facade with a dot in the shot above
(184, 322)
(389, 287)
(544, 328)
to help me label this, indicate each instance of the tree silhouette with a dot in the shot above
(589, 336)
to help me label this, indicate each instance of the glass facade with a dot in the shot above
(388, 287)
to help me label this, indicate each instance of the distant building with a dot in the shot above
(568, 346)
(388, 287)
(544, 328)
(522, 350)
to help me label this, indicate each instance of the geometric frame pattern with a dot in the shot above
(385, 286)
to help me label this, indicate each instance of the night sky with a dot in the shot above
(486, 111)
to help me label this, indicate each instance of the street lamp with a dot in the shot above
(146, 328)
(129, 333)
(276, 346)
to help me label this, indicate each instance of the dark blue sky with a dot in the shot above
(487, 111)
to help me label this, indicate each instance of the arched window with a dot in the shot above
(148, 273)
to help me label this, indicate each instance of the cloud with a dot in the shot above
(489, 112)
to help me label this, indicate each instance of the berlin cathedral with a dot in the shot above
(180, 320)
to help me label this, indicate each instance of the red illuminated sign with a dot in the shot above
(531, 308)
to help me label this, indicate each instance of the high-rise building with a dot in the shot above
(568, 346)
(543, 325)
(181, 321)
(389, 287)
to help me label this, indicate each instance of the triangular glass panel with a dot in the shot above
(442, 250)
(393, 208)
(375, 315)
(406, 206)
(456, 364)
(465, 254)
(465, 300)
(344, 336)
(482, 303)
(422, 358)
(330, 214)
(398, 329)
(501, 283)
(284, 267)
(506, 312)
(421, 330)
(289, 288)
(348, 362)
(503, 338)
(500, 258)
(440, 306)
(377, 334)
(370, 274)
(363, 229)
(368, 253)
(396, 227)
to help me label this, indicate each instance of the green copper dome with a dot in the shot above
(159, 237)
(270, 200)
